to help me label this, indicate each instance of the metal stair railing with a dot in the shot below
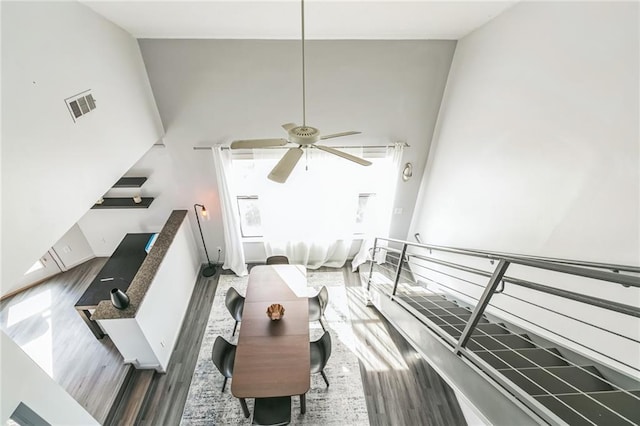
(402, 271)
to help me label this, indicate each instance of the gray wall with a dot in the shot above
(214, 91)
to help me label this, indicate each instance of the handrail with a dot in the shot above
(395, 258)
(614, 277)
(594, 301)
(610, 266)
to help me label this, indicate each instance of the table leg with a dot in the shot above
(303, 403)
(245, 409)
(93, 326)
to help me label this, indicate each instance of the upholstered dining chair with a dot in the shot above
(277, 260)
(223, 355)
(320, 353)
(273, 411)
(317, 305)
(235, 304)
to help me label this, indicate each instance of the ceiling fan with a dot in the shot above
(304, 136)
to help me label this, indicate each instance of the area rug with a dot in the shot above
(342, 403)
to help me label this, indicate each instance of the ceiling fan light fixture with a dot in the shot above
(304, 136)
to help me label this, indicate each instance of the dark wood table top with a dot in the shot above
(272, 357)
(118, 272)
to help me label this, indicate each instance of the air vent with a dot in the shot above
(80, 104)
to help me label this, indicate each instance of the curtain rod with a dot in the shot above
(406, 145)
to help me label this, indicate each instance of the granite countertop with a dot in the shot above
(147, 272)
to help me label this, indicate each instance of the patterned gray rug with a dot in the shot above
(343, 403)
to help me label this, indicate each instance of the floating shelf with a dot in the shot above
(130, 182)
(123, 203)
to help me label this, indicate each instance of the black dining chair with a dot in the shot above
(273, 411)
(317, 305)
(235, 304)
(223, 355)
(320, 353)
(277, 260)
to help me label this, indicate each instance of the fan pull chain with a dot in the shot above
(304, 111)
(306, 160)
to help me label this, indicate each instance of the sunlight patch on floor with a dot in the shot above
(40, 349)
(29, 307)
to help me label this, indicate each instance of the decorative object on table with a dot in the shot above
(234, 302)
(210, 269)
(119, 298)
(137, 199)
(275, 312)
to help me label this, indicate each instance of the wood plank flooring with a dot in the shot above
(44, 323)
(400, 386)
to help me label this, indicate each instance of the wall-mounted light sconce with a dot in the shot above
(407, 172)
(210, 269)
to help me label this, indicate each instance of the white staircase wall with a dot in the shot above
(536, 152)
(53, 170)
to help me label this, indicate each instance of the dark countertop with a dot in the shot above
(147, 272)
(118, 272)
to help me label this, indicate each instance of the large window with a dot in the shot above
(332, 176)
(251, 225)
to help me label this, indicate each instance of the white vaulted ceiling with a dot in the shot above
(324, 19)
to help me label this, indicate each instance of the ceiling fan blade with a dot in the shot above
(257, 143)
(289, 126)
(337, 135)
(344, 155)
(285, 166)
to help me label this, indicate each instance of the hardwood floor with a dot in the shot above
(400, 386)
(44, 323)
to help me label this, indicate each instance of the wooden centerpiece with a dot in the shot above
(275, 311)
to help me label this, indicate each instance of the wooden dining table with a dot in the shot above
(272, 357)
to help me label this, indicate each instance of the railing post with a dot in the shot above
(399, 269)
(373, 260)
(498, 273)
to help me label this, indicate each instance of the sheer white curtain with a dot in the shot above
(311, 217)
(378, 224)
(234, 257)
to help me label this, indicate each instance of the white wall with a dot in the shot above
(53, 169)
(164, 306)
(23, 381)
(105, 228)
(73, 248)
(215, 91)
(536, 149)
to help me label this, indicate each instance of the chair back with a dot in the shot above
(320, 352)
(234, 302)
(277, 260)
(223, 355)
(323, 298)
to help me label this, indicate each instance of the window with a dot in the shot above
(250, 170)
(249, 211)
(35, 267)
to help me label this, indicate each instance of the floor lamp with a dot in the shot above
(210, 269)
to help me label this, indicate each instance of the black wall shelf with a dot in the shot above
(123, 203)
(130, 182)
